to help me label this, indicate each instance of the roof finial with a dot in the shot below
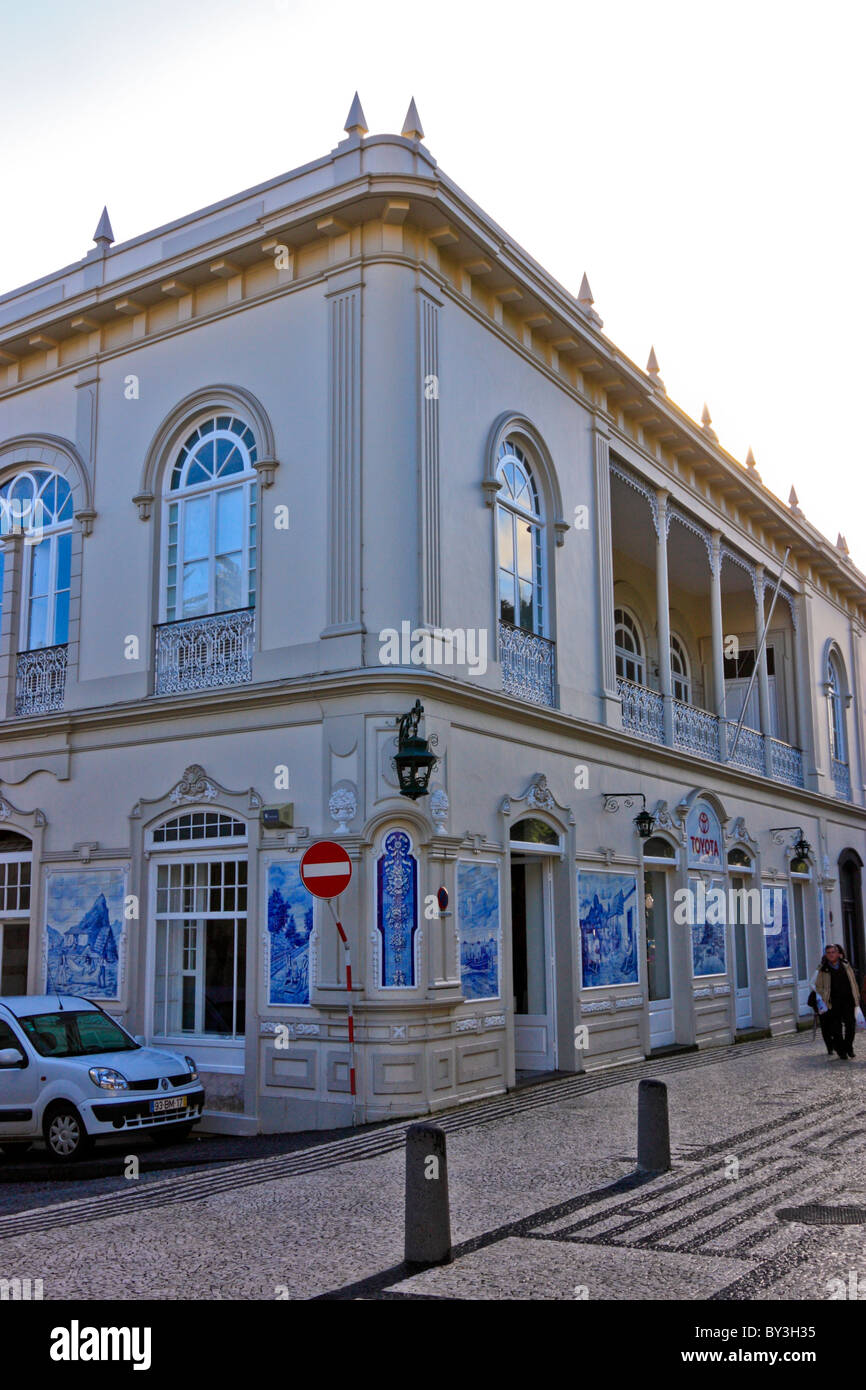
(356, 121)
(585, 302)
(707, 423)
(842, 544)
(750, 461)
(412, 128)
(794, 503)
(652, 367)
(104, 236)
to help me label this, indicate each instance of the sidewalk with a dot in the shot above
(543, 1202)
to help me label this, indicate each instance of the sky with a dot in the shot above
(703, 163)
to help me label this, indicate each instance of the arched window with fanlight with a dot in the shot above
(836, 706)
(206, 635)
(37, 503)
(836, 699)
(681, 679)
(210, 522)
(520, 542)
(628, 647)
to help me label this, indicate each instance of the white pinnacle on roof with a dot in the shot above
(103, 234)
(750, 460)
(585, 301)
(842, 544)
(794, 502)
(707, 422)
(356, 121)
(412, 128)
(652, 367)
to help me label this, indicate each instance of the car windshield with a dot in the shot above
(81, 1034)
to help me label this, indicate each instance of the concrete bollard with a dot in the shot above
(653, 1133)
(428, 1219)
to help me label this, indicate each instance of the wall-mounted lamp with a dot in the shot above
(413, 760)
(802, 849)
(644, 820)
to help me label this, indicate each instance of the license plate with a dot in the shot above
(169, 1103)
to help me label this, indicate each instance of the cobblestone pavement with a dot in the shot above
(545, 1200)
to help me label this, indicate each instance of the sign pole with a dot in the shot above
(345, 941)
(326, 870)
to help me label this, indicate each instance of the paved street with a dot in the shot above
(545, 1202)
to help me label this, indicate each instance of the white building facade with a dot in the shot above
(274, 472)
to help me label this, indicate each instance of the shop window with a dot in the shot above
(532, 831)
(201, 923)
(657, 848)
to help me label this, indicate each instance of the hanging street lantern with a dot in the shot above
(413, 760)
(644, 820)
(801, 849)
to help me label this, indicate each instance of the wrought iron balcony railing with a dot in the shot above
(696, 730)
(787, 762)
(642, 710)
(40, 680)
(527, 664)
(841, 779)
(749, 751)
(205, 653)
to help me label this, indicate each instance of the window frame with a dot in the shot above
(246, 481)
(534, 519)
(836, 710)
(622, 654)
(683, 678)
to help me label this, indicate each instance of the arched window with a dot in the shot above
(210, 531)
(836, 710)
(38, 502)
(520, 542)
(629, 648)
(680, 671)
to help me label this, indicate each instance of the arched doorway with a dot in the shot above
(16, 856)
(851, 893)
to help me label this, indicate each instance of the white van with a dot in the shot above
(69, 1072)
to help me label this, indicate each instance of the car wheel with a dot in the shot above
(174, 1135)
(64, 1131)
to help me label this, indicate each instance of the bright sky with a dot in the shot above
(703, 163)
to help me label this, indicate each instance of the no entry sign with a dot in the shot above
(326, 869)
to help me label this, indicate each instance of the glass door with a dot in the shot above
(658, 960)
(534, 1032)
(13, 957)
(742, 985)
(803, 985)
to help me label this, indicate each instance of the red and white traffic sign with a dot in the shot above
(326, 869)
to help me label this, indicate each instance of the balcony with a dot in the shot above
(841, 779)
(205, 653)
(40, 680)
(786, 762)
(642, 711)
(527, 664)
(749, 750)
(696, 730)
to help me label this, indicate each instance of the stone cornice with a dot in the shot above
(143, 717)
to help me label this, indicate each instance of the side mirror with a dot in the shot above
(11, 1057)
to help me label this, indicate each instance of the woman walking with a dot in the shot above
(836, 985)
